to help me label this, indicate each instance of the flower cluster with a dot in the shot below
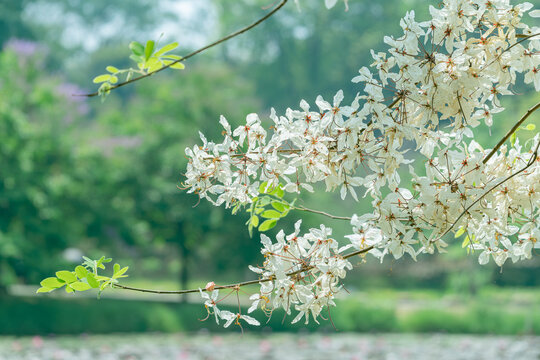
(305, 272)
(211, 304)
(437, 82)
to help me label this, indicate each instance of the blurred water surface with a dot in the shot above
(272, 346)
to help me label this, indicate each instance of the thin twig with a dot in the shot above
(511, 131)
(228, 37)
(531, 161)
(523, 38)
(236, 285)
(303, 208)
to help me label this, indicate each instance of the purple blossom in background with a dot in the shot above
(23, 47)
(72, 93)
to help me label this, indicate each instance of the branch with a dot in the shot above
(236, 285)
(512, 130)
(217, 42)
(523, 38)
(531, 161)
(303, 208)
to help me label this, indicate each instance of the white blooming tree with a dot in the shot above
(413, 123)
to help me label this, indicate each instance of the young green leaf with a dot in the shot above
(149, 49)
(92, 280)
(460, 232)
(267, 225)
(136, 48)
(271, 214)
(101, 78)
(120, 273)
(67, 276)
(178, 66)
(262, 187)
(279, 206)
(80, 286)
(44, 290)
(166, 48)
(254, 221)
(52, 283)
(81, 272)
(112, 69)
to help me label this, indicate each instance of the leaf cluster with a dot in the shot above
(267, 208)
(84, 277)
(148, 58)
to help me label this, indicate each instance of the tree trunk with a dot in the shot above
(184, 258)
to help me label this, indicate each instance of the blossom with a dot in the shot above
(446, 77)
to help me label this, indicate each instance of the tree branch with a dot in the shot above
(531, 161)
(303, 208)
(217, 42)
(511, 131)
(236, 285)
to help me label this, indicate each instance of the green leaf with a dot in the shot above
(271, 214)
(171, 57)
(149, 49)
(460, 232)
(136, 48)
(116, 268)
(52, 282)
(178, 65)
(69, 290)
(113, 80)
(267, 225)
(92, 280)
(465, 242)
(80, 286)
(120, 273)
(153, 64)
(81, 272)
(44, 290)
(112, 69)
(530, 127)
(101, 78)
(137, 59)
(262, 187)
(104, 285)
(513, 139)
(166, 48)
(279, 206)
(280, 192)
(67, 276)
(254, 221)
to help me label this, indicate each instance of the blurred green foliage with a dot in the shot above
(397, 312)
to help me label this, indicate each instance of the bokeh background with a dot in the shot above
(83, 177)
